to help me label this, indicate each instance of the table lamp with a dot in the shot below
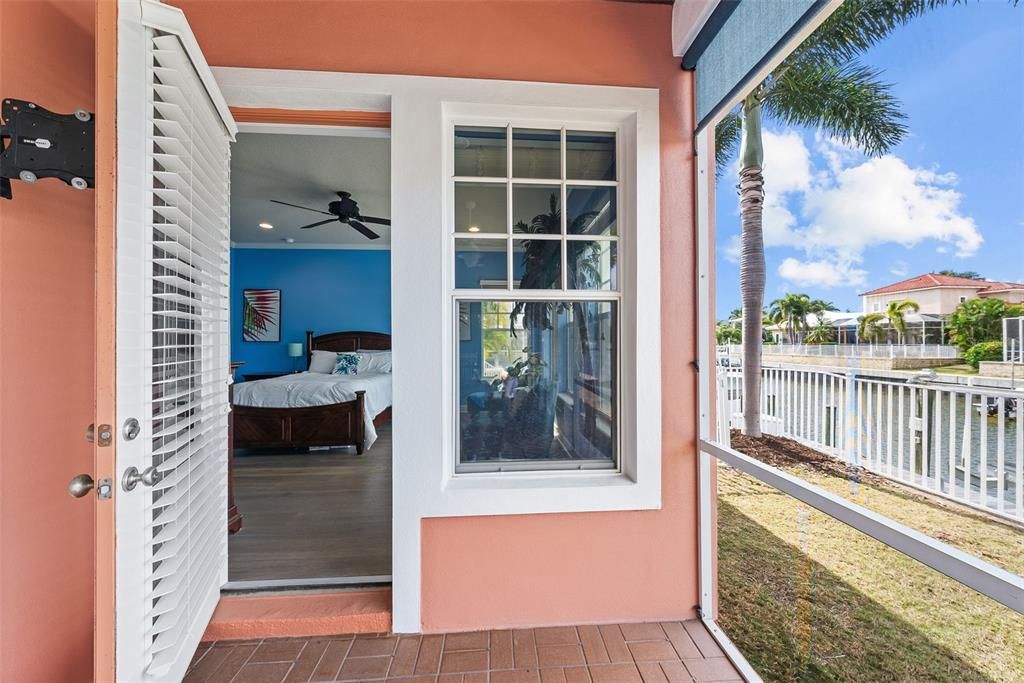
(295, 351)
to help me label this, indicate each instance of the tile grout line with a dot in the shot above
(194, 664)
(440, 656)
(242, 666)
(416, 661)
(387, 674)
(318, 660)
(341, 665)
(295, 661)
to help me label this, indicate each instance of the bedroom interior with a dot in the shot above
(311, 287)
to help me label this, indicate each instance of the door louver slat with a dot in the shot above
(187, 308)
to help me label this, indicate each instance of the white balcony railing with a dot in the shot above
(852, 350)
(962, 443)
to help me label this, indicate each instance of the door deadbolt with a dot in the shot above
(130, 429)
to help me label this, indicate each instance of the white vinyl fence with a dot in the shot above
(851, 350)
(962, 443)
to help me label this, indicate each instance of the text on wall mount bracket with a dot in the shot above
(36, 143)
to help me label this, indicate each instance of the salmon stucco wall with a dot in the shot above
(46, 364)
(530, 569)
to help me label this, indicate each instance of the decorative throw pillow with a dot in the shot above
(323, 362)
(374, 361)
(346, 364)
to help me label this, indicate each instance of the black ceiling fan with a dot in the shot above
(346, 211)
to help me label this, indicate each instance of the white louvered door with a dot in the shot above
(174, 133)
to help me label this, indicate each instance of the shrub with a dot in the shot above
(990, 350)
(979, 320)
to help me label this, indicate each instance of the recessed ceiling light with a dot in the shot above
(266, 226)
(474, 228)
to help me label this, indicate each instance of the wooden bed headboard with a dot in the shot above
(346, 341)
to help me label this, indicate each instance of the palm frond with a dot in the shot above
(259, 312)
(856, 26)
(868, 326)
(727, 140)
(849, 102)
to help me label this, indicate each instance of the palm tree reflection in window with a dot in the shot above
(531, 426)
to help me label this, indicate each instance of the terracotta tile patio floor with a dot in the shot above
(667, 652)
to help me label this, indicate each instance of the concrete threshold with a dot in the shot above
(300, 613)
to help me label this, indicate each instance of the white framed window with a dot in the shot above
(963, 299)
(535, 222)
(551, 263)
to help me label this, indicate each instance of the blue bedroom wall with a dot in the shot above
(324, 290)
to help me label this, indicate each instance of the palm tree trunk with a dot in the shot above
(583, 334)
(752, 266)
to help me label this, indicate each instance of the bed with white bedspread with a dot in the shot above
(313, 389)
(319, 407)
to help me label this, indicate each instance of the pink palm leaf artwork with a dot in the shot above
(261, 313)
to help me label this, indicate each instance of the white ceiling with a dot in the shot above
(307, 170)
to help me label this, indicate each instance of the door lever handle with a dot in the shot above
(148, 477)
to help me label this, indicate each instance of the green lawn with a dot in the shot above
(807, 598)
(959, 369)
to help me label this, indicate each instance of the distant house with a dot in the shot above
(940, 294)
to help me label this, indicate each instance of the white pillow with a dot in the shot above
(374, 361)
(323, 362)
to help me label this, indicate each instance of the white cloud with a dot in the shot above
(836, 204)
(824, 274)
(837, 153)
(787, 163)
(787, 172)
(899, 268)
(883, 201)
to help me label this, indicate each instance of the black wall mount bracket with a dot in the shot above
(36, 143)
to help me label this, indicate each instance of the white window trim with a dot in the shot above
(421, 319)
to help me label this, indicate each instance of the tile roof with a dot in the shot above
(930, 280)
(1001, 287)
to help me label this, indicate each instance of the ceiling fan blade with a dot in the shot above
(372, 219)
(313, 225)
(326, 213)
(366, 232)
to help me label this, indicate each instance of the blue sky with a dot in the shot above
(951, 195)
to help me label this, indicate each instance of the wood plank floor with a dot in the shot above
(313, 515)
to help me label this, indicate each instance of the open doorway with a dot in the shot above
(311, 357)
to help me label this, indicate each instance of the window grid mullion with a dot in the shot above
(563, 227)
(509, 244)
